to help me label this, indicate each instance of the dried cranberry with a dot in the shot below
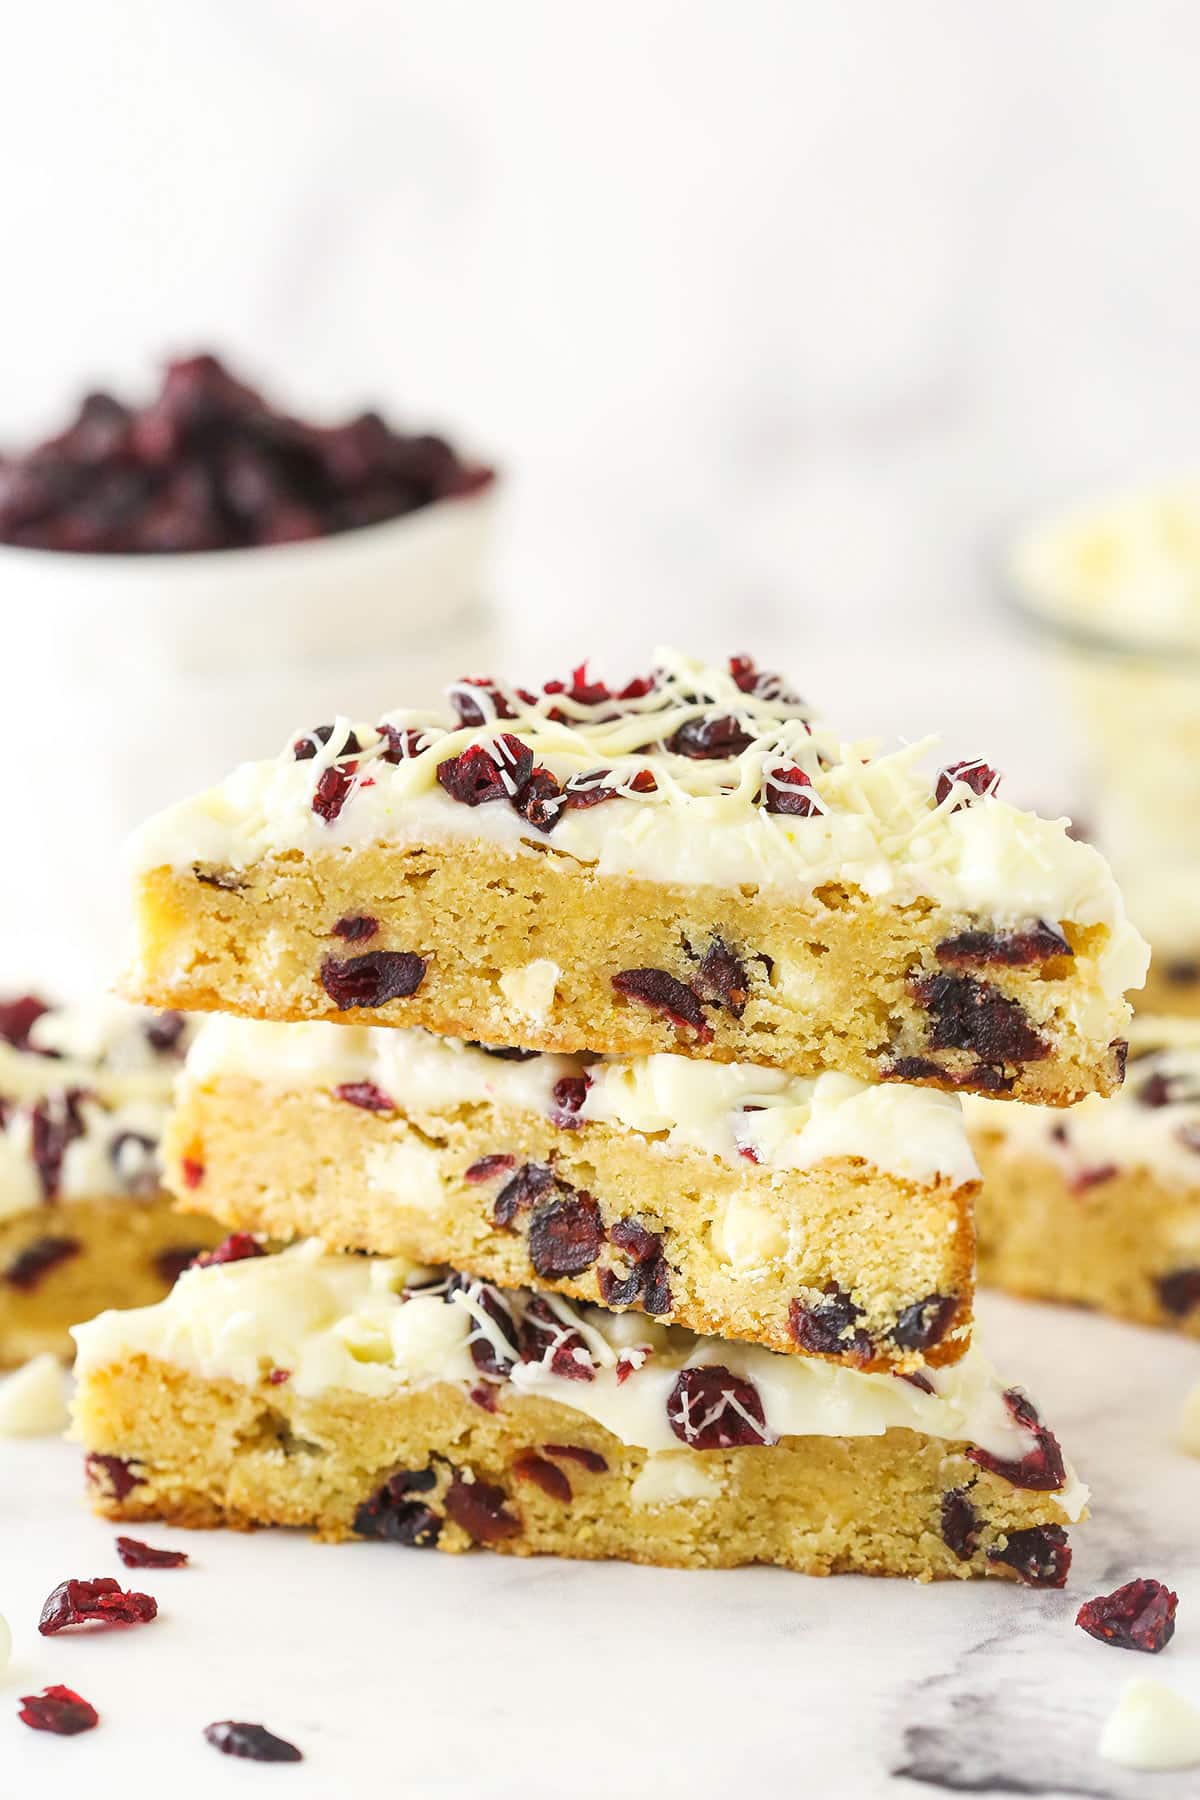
(165, 1033)
(402, 743)
(916, 1379)
(169, 1264)
(1138, 1616)
(1179, 1292)
(356, 927)
(484, 1396)
(58, 1709)
(392, 1515)
(709, 739)
(101, 1601)
(305, 748)
(1084, 1179)
(722, 978)
(586, 790)
(136, 1555)
(1040, 1555)
(193, 1172)
(656, 1286)
(546, 1339)
(975, 775)
(960, 1525)
(30, 1266)
(762, 685)
(787, 789)
(332, 791)
(1042, 1468)
(619, 1290)
(648, 1282)
(634, 1240)
(488, 1167)
(277, 1377)
(485, 1354)
(1008, 949)
(540, 801)
(18, 1018)
(587, 1459)
(710, 1408)
(565, 1236)
(112, 1472)
(239, 1246)
(1155, 1091)
(969, 1015)
(478, 1509)
(366, 1095)
(529, 1183)
(527, 1465)
(234, 1737)
(56, 1122)
(468, 709)
(925, 1322)
(372, 979)
(504, 1052)
(829, 1327)
(476, 777)
(569, 1095)
(665, 994)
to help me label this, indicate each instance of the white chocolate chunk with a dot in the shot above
(746, 1235)
(670, 1476)
(531, 990)
(1152, 1727)
(33, 1401)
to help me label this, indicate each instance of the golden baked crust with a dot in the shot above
(304, 1163)
(114, 1252)
(837, 980)
(202, 1452)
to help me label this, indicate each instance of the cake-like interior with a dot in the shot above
(689, 863)
(372, 1398)
(817, 1215)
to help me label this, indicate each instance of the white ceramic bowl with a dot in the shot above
(131, 681)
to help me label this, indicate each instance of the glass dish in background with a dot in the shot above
(1113, 587)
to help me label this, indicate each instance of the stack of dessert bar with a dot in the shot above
(601, 1052)
(84, 1220)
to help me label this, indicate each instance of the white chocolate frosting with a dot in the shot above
(730, 1111)
(94, 1075)
(367, 1325)
(1152, 1123)
(874, 823)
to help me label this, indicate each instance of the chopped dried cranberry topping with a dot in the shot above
(277, 1377)
(969, 1015)
(393, 1516)
(1041, 1555)
(1009, 949)
(1043, 1468)
(58, 1709)
(101, 1601)
(170, 1263)
(332, 791)
(925, 1322)
(478, 1509)
(529, 1466)
(488, 1167)
(629, 1362)
(305, 748)
(493, 1359)
(476, 777)
(468, 709)
(234, 1737)
(57, 1122)
(1138, 1616)
(758, 682)
(373, 978)
(530, 1182)
(710, 739)
(18, 1018)
(546, 1339)
(787, 789)
(1179, 1292)
(402, 743)
(665, 994)
(365, 1095)
(830, 1326)
(589, 790)
(975, 775)
(30, 1266)
(165, 1033)
(112, 1472)
(587, 1459)
(239, 1246)
(960, 1526)
(569, 1095)
(193, 1172)
(710, 1408)
(722, 978)
(565, 1236)
(356, 927)
(540, 801)
(136, 1555)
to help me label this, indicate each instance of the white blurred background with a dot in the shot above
(776, 315)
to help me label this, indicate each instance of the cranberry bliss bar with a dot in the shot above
(687, 863)
(371, 1399)
(817, 1215)
(1101, 1207)
(84, 1223)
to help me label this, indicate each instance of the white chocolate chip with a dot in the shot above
(531, 990)
(673, 1475)
(746, 1235)
(1152, 1727)
(33, 1401)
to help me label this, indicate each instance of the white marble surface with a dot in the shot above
(418, 1674)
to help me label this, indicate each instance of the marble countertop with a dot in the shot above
(420, 1675)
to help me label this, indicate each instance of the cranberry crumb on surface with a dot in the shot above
(136, 1555)
(1138, 1616)
(239, 1246)
(101, 1601)
(233, 1737)
(666, 994)
(710, 1408)
(58, 1709)
(372, 979)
